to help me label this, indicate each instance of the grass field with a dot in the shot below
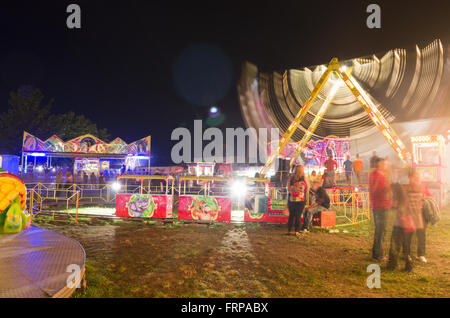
(144, 259)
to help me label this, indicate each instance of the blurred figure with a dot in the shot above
(85, 178)
(314, 177)
(93, 178)
(373, 160)
(416, 194)
(358, 166)
(59, 179)
(403, 229)
(330, 149)
(298, 198)
(331, 166)
(101, 179)
(327, 179)
(46, 172)
(380, 203)
(348, 165)
(69, 177)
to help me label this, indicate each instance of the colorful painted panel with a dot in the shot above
(204, 208)
(144, 205)
(317, 151)
(261, 208)
(86, 144)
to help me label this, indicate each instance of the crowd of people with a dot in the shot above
(407, 199)
(410, 219)
(350, 169)
(63, 179)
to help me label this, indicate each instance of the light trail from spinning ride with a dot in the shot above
(391, 85)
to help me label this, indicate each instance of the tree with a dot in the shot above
(26, 114)
(68, 126)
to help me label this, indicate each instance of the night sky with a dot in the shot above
(143, 68)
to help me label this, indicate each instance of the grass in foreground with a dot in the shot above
(130, 259)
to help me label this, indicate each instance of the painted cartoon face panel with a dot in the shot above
(141, 206)
(204, 208)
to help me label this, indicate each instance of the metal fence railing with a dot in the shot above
(350, 203)
(61, 192)
(351, 206)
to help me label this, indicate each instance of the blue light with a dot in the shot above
(138, 156)
(37, 154)
(213, 110)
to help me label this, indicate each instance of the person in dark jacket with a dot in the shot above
(101, 179)
(93, 178)
(322, 203)
(85, 178)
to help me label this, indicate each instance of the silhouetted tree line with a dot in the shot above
(27, 111)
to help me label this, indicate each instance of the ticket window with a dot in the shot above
(105, 165)
(87, 165)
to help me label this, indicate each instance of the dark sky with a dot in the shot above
(147, 67)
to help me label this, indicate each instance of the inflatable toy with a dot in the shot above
(13, 196)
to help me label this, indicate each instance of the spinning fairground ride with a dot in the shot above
(400, 94)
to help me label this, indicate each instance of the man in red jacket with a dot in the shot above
(331, 166)
(380, 203)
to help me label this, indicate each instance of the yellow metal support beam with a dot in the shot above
(332, 66)
(377, 117)
(307, 136)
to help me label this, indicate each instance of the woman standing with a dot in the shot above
(417, 192)
(298, 189)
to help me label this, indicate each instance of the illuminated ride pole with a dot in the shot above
(302, 143)
(332, 66)
(378, 119)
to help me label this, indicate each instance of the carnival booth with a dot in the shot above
(142, 196)
(86, 154)
(429, 159)
(204, 198)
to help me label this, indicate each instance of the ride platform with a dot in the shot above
(37, 263)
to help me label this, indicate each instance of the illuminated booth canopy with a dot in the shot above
(89, 153)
